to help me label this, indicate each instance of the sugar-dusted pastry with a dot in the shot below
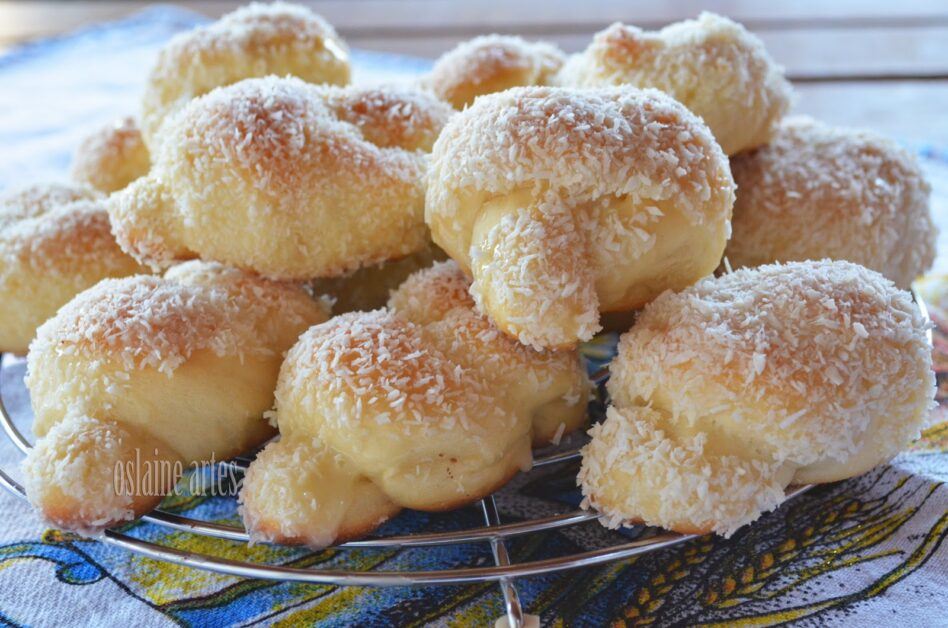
(817, 191)
(425, 405)
(727, 392)
(711, 65)
(55, 241)
(288, 179)
(111, 157)
(491, 63)
(137, 378)
(369, 287)
(257, 40)
(564, 203)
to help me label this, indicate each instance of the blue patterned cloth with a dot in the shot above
(861, 552)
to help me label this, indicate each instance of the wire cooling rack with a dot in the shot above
(494, 531)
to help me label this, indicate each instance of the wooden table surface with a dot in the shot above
(868, 63)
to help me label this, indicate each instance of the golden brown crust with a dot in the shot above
(391, 118)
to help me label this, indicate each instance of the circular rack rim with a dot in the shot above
(494, 532)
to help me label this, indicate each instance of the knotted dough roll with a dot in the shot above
(711, 65)
(817, 191)
(137, 378)
(554, 384)
(425, 405)
(254, 41)
(729, 391)
(288, 179)
(563, 203)
(55, 241)
(111, 157)
(491, 63)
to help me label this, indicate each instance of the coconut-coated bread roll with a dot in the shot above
(727, 392)
(491, 63)
(55, 241)
(254, 41)
(422, 406)
(369, 392)
(818, 191)
(111, 157)
(137, 378)
(564, 203)
(291, 180)
(711, 65)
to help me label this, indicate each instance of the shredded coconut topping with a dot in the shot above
(428, 401)
(292, 180)
(55, 241)
(62, 242)
(633, 471)
(111, 157)
(533, 161)
(253, 41)
(816, 191)
(799, 370)
(830, 337)
(37, 199)
(428, 295)
(389, 117)
(76, 459)
(438, 299)
(491, 63)
(530, 263)
(377, 367)
(711, 65)
(154, 322)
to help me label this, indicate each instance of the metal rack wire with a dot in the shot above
(494, 532)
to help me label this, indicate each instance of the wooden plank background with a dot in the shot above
(812, 39)
(869, 63)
